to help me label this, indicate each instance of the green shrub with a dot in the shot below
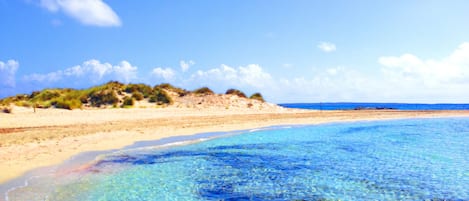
(34, 94)
(23, 103)
(45, 95)
(181, 92)
(153, 99)
(144, 89)
(68, 104)
(203, 91)
(113, 85)
(84, 98)
(104, 97)
(160, 97)
(128, 101)
(236, 92)
(137, 95)
(257, 96)
(47, 104)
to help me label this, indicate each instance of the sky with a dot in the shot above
(413, 51)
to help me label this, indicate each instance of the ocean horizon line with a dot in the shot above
(377, 105)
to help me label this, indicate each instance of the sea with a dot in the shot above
(396, 106)
(411, 159)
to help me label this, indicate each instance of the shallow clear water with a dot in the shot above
(384, 160)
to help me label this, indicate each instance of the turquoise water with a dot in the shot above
(418, 159)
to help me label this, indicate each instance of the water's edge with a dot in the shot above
(92, 156)
(89, 157)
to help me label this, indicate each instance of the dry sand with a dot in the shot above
(30, 140)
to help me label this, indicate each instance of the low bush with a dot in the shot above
(203, 91)
(103, 97)
(45, 95)
(236, 92)
(143, 89)
(137, 95)
(23, 103)
(84, 98)
(160, 97)
(181, 92)
(128, 101)
(257, 96)
(68, 104)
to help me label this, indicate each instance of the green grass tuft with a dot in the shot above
(236, 92)
(203, 91)
(160, 97)
(109, 94)
(137, 95)
(143, 89)
(257, 96)
(181, 92)
(128, 101)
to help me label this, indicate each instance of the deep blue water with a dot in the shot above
(417, 159)
(398, 106)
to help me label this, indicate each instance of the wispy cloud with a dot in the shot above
(185, 65)
(405, 78)
(287, 65)
(88, 12)
(91, 71)
(166, 73)
(252, 76)
(7, 73)
(326, 46)
(452, 69)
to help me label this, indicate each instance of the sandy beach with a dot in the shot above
(47, 137)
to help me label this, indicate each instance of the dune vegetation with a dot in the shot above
(257, 96)
(112, 94)
(235, 92)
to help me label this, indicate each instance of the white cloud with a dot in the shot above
(430, 80)
(251, 75)
(287, 65)
(326, 46)
(90, 71)
(88, 12)
(329, 84)
(186, 65)
(166, 73)
(7, 73)
(453, 69)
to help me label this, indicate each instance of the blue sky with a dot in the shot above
(291, 51)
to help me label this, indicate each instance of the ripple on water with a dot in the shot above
(386, 160)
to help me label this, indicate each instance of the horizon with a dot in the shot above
(291, 52)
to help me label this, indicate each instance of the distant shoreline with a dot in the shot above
(51, 136)
(371, 105)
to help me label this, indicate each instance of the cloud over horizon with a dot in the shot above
(166, 73)
(7, 73)
(326, 47)
(88, 12)
(252, 75)
(91, 71)
(452, 69)
(405, 78)
(185, 65)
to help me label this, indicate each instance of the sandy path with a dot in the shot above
(47, 137)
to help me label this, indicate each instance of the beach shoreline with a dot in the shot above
(49, 137)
